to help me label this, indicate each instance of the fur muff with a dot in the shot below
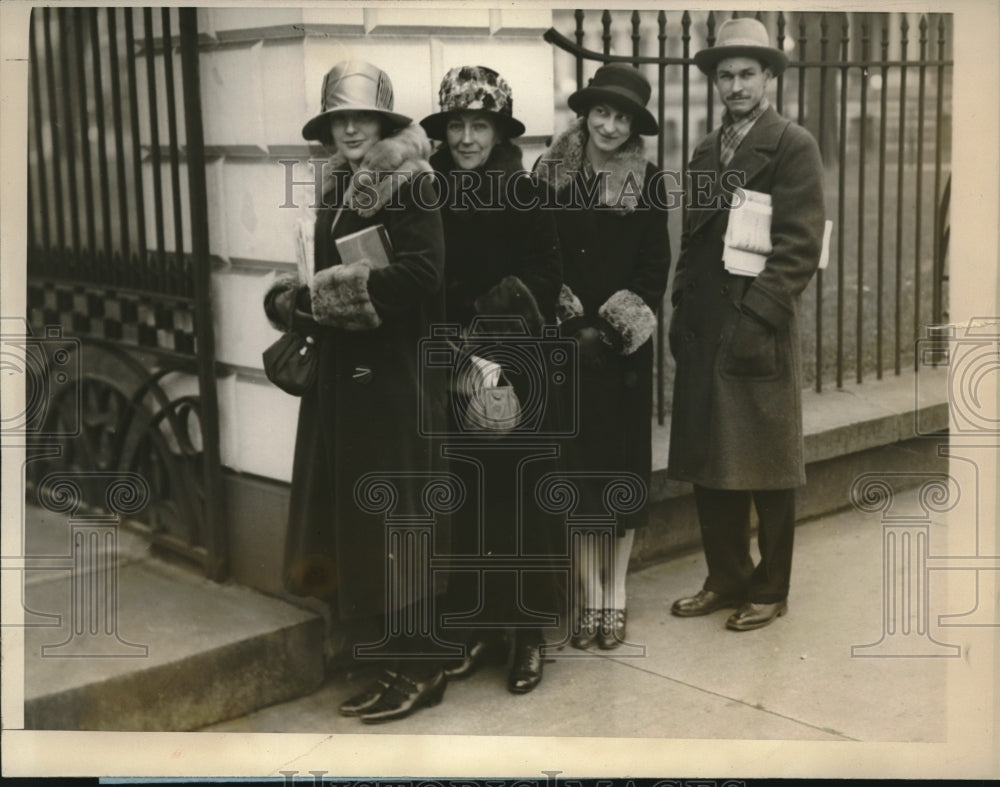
(568, 306)
(630, 317)
(387, 164)
(279, 301)
(340, 298)
(626, 171)
(511, 297)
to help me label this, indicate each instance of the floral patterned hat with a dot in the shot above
(473, 88)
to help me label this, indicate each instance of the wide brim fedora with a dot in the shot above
(436, 125)
(741, 37)
(620, 86)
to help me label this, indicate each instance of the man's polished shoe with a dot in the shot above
(753, 616)
(405, 695)
(704, 602)
(475, 655)
(526, 672)
(367, 698)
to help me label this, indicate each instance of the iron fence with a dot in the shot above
(847, 73)
(118, 255)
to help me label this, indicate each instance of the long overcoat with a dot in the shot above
(616, 258)
(361, 421)
(737, 407)
(502, 259)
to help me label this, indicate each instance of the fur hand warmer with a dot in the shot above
(340, 298)
(631, 318)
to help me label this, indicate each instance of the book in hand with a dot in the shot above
(748, 235)
(370, 246)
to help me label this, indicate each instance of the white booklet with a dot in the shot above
(748, 235)
(305, 256)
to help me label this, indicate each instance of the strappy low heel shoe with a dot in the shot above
(587, 627)
(612, 632)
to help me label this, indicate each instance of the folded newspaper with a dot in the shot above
(748, 235)
(305, 256)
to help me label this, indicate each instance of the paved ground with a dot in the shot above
(691, 678)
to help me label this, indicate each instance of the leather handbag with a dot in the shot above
(290, 363)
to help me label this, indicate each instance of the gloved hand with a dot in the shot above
(594, 351)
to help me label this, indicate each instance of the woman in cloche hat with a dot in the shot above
(612, 225)
(359, 422)
(499, 260)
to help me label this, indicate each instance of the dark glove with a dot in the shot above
(594, 351)
(753, 349)
(279, 305)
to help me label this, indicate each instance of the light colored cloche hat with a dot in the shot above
(622, 86)
(474, 88)
(354, 86)
(742, 37)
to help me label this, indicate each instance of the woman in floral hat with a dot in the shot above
(499, 260)
(359, 422)
(612, 224)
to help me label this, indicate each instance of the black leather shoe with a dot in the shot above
(612, 632)
(405, 695)
(703, 602)
(754, 616)
(475, 656)
(526, 672)
(361, 702)
(586, 632)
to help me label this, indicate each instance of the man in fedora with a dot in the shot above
(736, 430)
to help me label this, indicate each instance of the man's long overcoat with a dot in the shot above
(737, 408)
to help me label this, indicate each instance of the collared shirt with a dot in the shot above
(733, 131)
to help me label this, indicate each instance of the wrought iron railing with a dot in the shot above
(834, 69)
(118, 258)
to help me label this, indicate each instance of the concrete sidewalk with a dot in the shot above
(691, 678)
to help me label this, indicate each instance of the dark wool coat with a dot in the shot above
(362, 416)
(737, 410)
(488, 239)
(616, 257)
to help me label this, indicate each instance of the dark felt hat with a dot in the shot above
(741, 37)
(621, 86)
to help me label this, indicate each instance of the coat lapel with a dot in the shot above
(751, 157)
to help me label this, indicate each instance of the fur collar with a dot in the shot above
(566, 158)
(405, 152)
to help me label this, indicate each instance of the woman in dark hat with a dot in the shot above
(359, 422)
(612, 225)
(499, 260)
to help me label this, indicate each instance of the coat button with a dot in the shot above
(689, 336)
(725, 289)
(692, 285)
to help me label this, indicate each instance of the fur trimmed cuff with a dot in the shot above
(630, 317)
(279, 301)
(568, 305)
(340, 298)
